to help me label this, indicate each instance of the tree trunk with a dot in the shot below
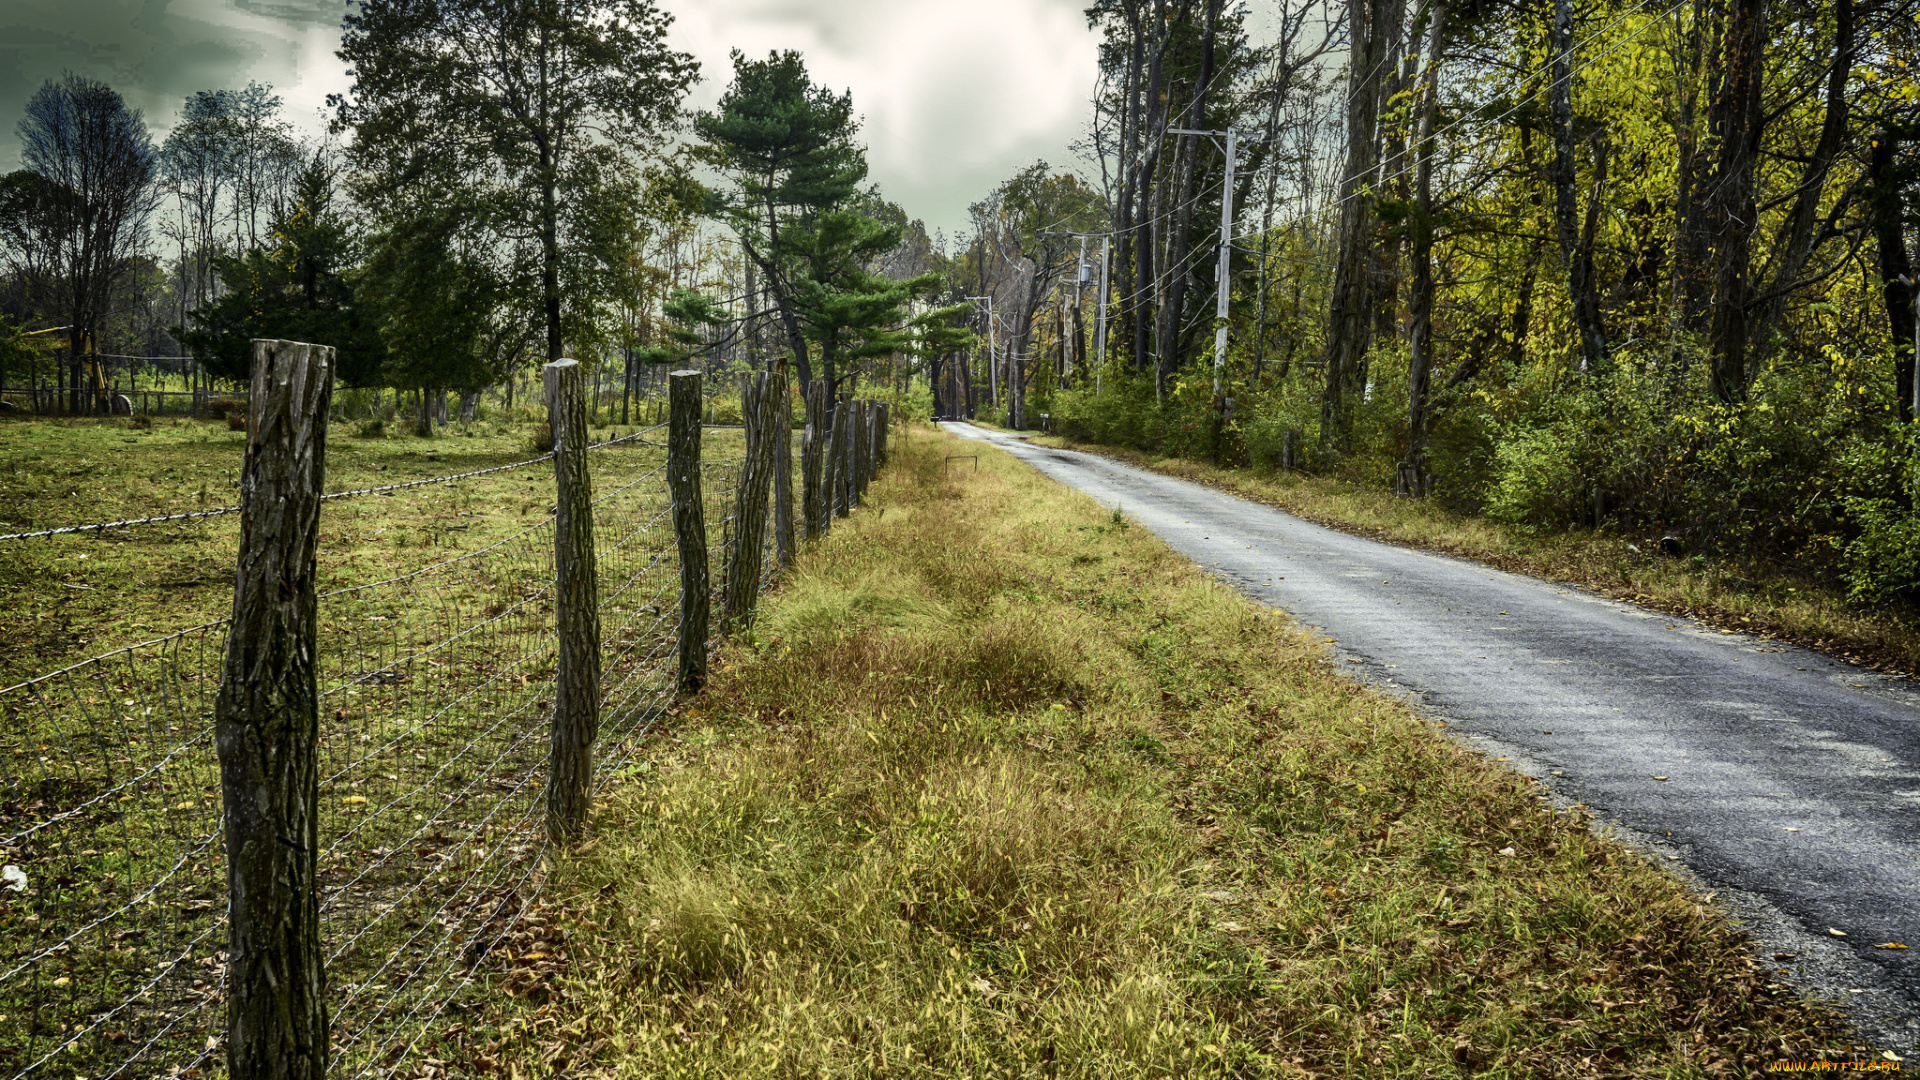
(1186, 169)
(1732, 204)
(1794, 245)
(1350, 319)
(1576, 257)
(1692, 284)
(1147, 189)
(1888, 211)
(267, 727)
(1411, 476)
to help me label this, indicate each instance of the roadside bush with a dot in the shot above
(1291, 406)
(236, 421)
(1883, 561)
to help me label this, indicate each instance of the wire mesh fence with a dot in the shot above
(436, 688)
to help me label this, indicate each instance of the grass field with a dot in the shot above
(436, 660)
(66, 597)
(1001, 786)
(1770, 601)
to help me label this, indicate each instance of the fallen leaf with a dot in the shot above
(1508, 852)
(354, 800)
(1659, 778)
(1792, 829)
(1836, 933)
(1890, 945)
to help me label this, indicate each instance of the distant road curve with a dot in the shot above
(1786, 780)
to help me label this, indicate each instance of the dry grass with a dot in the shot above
(1763, 600)
(1004, 787)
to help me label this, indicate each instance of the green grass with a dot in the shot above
(66, 597)
(1766, 600)
(1003, 787)
(436, 691)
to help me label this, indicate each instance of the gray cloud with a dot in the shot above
(156, 52)
(955, 96)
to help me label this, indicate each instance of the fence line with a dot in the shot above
(435, 688)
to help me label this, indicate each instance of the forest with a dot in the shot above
(1641, 267)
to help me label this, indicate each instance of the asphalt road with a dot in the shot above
(1785, 781)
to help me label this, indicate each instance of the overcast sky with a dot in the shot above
(957, 94)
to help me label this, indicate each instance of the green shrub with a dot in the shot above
(1883, 561)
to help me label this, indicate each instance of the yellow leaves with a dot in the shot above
(1890, 945)
(354, 800)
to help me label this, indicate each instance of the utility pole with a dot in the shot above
(993, 369)
(1080, 279)
(1080, 276)
(1100, 331)
(1220, 405)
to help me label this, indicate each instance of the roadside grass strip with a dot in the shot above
(1002, 786)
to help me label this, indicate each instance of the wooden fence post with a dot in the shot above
(862, 450)
(576, 596)
(873, 446)
(882, 429)
(842, 448)
(783, 466)
(750, 508)
(813, 447)
(267, 727)
(689, 524)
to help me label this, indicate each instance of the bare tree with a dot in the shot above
(96, 167)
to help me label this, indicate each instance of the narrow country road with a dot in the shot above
(1786, 781)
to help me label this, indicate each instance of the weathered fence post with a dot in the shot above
(813, 447)
(882, 429)
(576, 596)
(841, 458)
(783, 466)
(689, 524)
(862, 451)
(267, 727)
(750, 508)
(856, 420)
(873, 445)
